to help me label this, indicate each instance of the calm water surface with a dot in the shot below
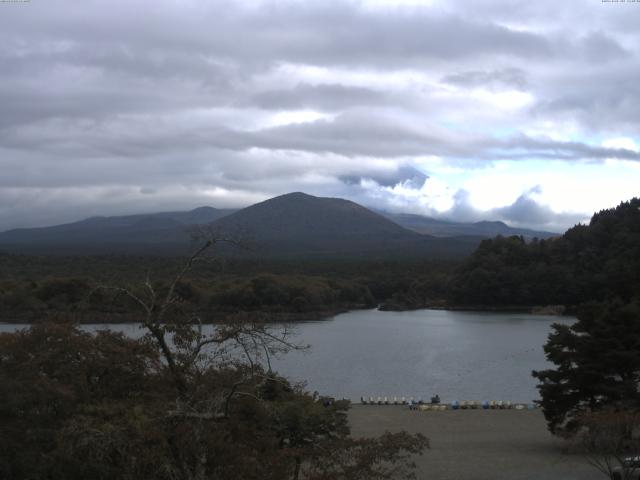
(459, 355)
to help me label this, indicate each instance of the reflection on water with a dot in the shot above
(459, 355)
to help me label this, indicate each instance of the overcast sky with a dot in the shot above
(521, 111)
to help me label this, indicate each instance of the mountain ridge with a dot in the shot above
(294, 224)
(449, 228)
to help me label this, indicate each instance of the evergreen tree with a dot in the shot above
(597, 365)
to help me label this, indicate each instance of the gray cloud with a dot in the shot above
(522, 146)
(405, 175)
(325, 32)
(600, 47)
(351, 135)
(525, 211)
(605, 100)
(101, 110)
(495, 79)
(333, 97)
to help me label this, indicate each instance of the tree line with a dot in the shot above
(593, 262)
(33, 288)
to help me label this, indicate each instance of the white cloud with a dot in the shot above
(288, 117)
(621, 142)
(505, 100)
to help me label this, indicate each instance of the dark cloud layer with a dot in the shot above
(108, 110)
(511, 77)
(334, 97)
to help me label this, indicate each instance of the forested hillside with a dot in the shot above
(589, 262)
(38, 288)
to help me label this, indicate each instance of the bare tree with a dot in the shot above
(223, 413)
(190, 349)
(610, 441)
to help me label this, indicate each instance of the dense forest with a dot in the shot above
(589, 262)
(39, 288)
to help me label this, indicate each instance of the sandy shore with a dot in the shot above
(478, 444)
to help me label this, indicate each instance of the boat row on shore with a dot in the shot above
(419, 404)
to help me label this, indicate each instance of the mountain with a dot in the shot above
(299, 224)
(445, 228)
(162, 232)
(291, 225)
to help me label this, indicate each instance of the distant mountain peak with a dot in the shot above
(204, 208)
(450, 228)
(294, 195)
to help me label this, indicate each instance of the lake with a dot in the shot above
(458, 355)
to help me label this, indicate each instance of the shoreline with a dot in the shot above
(91, 318)
(86, 318)
(552, 310)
